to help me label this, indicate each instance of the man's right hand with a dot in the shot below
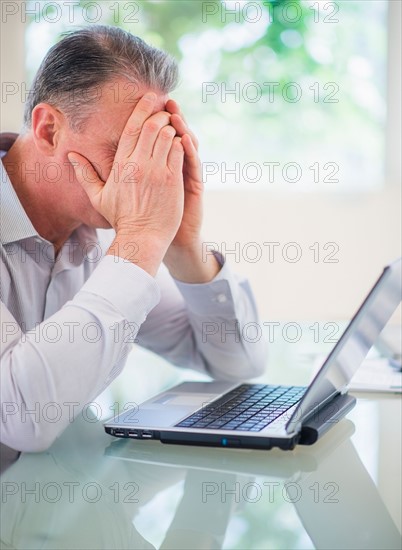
(143, 197)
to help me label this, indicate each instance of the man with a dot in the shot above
(104, 147)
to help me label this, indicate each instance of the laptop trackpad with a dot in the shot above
(195, 400)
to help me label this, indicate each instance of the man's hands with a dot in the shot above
(143, 197)
(153, 195)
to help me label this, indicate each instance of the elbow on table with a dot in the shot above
(254, 366)
(29, 438)
(256, 359)
(248, 364)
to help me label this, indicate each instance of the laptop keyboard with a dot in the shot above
(249, 407)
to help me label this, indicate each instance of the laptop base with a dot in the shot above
(313, 429)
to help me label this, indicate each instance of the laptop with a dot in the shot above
(263, 416)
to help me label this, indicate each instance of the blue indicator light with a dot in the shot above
(224, 441)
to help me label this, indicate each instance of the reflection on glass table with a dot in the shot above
(92, 491)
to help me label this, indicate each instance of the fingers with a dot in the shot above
(132, 130)
(179, 124)
(150, 132)
(193, 164)
(189, 149)
(86, 175)
(181, 127)
(176, 156)
(163, 145)
(173, 108)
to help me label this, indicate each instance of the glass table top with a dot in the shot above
(93, 491)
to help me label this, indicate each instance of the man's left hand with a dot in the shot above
(184, 257)
(188, 234)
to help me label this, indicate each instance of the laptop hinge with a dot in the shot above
(324, 418)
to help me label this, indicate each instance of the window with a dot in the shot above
(285, 95)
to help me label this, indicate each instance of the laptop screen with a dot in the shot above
(359, 336)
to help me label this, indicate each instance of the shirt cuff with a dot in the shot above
(130, 289)
(217, 296)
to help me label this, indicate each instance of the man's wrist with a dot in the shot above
(145, 251)
(189, 264)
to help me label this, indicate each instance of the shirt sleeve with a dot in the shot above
(50, 373)
(211, 327)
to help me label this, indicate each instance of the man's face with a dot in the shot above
(98, 142)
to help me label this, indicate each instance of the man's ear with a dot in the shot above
(47, 123)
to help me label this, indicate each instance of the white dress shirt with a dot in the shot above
(68, 323)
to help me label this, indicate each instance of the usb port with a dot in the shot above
(132, 434)
(119, 433)
(147, 435)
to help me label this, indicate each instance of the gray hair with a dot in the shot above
(73, 71)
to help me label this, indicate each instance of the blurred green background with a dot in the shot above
(309, 82)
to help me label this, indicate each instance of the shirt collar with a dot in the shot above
(15, 224)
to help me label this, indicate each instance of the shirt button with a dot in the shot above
(221, 298)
